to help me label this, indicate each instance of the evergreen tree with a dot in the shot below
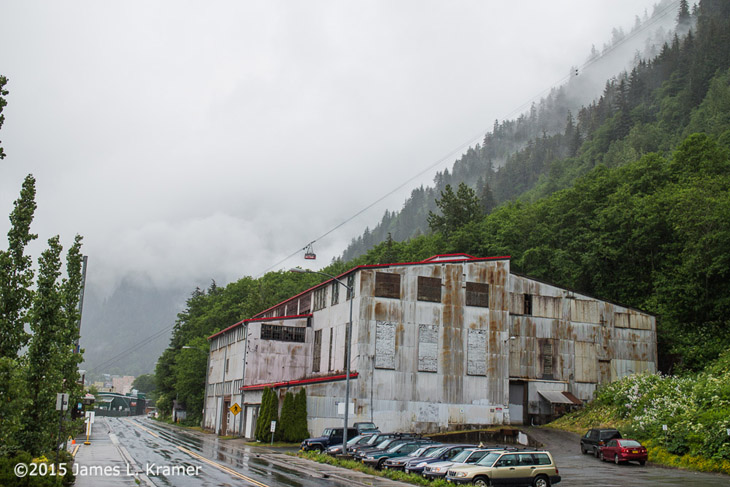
(287, 426)
(457, 209)
(16, 274)
(70, 353)
(301, 430)
(45, 376)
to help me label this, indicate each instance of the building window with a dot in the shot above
(477, 294)
(291, 308)
(528, 304)
(335, 293)
(384, 345)
(280, 311)
(329, 359)
(227, 360)
(305, 303)
(387, 285)
(320, 298)
(317, 351)
(429, 289)
(283, 333)
(547, 360)
(428, 348)
(350, 286)
(476, 352)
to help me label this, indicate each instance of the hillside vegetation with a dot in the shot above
(637, 211)
(694, 408)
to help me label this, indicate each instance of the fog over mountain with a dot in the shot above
(191, 144)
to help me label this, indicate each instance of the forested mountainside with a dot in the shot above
(573, 129)
(642, 217)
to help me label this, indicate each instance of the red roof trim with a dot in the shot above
(438, 256)
(299, 382)
(379, 266)
(274, 318)
(226, 329)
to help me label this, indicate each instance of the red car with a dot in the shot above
(624, 450)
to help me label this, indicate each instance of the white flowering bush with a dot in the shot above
(695, 409)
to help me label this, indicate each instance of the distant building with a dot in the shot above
(122, 385)
(448, 343)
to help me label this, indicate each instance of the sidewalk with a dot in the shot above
(104, 462)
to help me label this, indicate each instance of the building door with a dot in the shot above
(224, 418)
(252, 414)
(517, 402)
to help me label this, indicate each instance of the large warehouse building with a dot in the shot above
(448, 343)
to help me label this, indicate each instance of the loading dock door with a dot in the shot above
(517, 402)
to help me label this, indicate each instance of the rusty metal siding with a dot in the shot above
(593, 341)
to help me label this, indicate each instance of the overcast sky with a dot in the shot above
(209, 140)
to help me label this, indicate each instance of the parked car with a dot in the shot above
(376, 459)
(362, 427)
(446, 452)
(526, 467)
(399, 463)
(390, 440)
(595, 438)
(437, 470)
(330, 436)
(624, 450)
(335, 450)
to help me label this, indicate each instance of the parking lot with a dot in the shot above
(577, 469)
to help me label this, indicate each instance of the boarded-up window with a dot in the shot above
(305, 303)
(384, 345)
(291, 308)
(320, 298)
(329, 359)
(387, 285)
(528, 304)
(476, 352)
(621, 320)
(317, 352)
(477, 294)
(429, 289)
(547, 360)
(428, 348)
(335, 293)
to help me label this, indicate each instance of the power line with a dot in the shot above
(650, 22)
(132, 348)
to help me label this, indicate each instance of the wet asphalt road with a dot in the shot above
(577, 469)
(169, 456)
(216, 462)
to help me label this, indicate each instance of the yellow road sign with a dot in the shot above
(235, 409)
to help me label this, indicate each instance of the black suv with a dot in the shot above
(595, 438)
(330, 436)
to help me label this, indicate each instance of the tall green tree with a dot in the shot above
(287, 425)
(457, 209)
(301, 430)
(45, 375)
(70, 353)
(16, 273)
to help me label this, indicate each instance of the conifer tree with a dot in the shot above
(16, 273)
(300, 413)
(287, 425)
(44, 375)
